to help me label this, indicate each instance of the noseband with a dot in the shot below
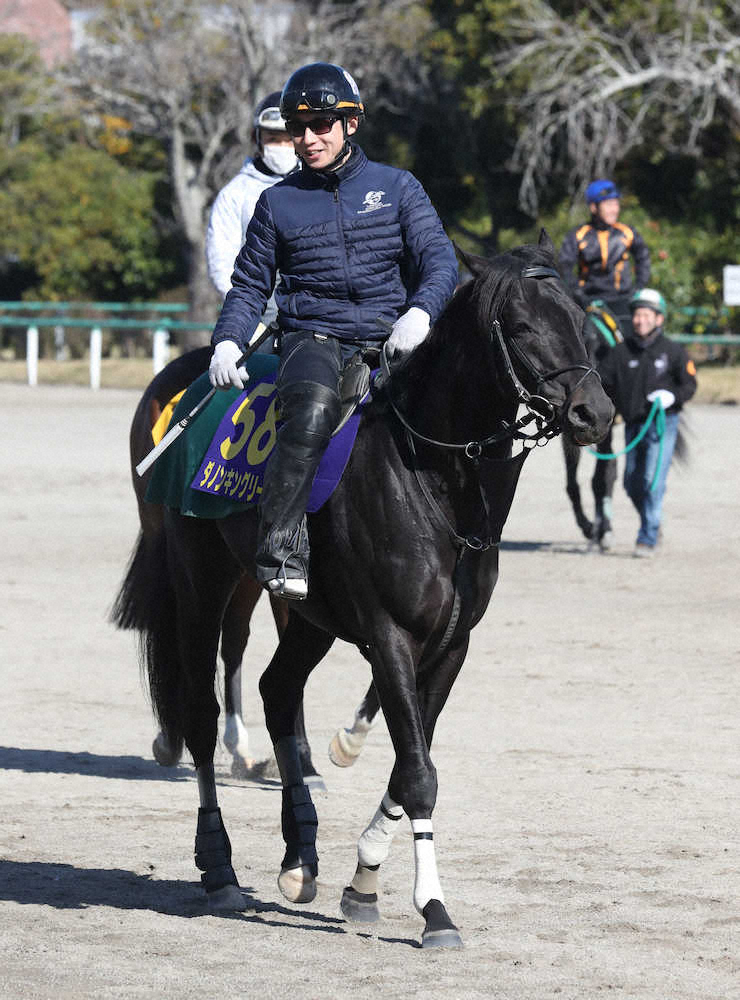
(540, 410)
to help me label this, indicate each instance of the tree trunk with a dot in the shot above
(203, 298)
(191, 196)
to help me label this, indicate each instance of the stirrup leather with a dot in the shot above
(354, 384)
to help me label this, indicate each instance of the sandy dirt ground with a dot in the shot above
(588, 759)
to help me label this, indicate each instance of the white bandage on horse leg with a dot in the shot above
(375, 842)
(426, 884)
(236, 737)
(346, 745)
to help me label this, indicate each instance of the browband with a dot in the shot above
(539, 271)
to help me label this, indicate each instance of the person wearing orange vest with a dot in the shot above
(604, 258)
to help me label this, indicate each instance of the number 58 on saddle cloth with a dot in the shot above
(217, 466)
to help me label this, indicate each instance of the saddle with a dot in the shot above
(354, 383)
(605, 322)
(217, 467)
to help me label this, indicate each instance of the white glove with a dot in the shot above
(665, 396)
(408, 331)
(222, 370)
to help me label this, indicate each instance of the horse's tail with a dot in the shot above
(681, 451)
(146, 603)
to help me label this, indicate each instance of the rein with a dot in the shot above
(540, 409)
(657, 413)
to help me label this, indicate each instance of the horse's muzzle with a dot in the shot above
(589, 415)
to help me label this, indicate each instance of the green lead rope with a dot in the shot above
(657, 413)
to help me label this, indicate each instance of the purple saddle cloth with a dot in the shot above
(232, 468)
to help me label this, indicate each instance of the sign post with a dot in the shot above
(731, 284)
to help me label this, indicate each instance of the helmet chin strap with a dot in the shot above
(341, 156)
(343, 153)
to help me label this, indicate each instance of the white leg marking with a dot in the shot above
(236, 737)
(426, 883)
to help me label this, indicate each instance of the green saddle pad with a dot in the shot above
(175, 469)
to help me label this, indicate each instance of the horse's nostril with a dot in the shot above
(588, 424)
(581, 416)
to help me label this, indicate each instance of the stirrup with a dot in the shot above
(292, 588)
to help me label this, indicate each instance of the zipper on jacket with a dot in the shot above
(343, 238)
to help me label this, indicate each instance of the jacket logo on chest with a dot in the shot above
(661, 364)
(372, 201)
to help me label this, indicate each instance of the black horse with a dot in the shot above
(603, 328)
(404, 558)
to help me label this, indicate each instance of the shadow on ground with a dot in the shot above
(66, 887)
(95, 765)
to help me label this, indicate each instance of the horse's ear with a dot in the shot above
(476, 265)
(545, 243)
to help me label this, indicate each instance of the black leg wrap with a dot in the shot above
(299, 821)
(439, 931)
(213, 851)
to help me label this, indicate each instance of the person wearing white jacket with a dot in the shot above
(234, 205)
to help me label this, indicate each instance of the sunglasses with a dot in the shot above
(319, 126)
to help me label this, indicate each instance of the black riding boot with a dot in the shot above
(310, 412)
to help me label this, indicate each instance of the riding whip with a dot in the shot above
(182, 425)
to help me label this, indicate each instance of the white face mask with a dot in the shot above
(280, 159)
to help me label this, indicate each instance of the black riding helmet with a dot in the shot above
(321, 87)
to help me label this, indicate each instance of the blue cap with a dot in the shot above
(600, 190)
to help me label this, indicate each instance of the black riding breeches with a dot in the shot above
(308, 392)
(309, 357)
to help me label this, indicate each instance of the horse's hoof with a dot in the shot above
(264, 770)
(241, 767)
(606, 541)
(298, 885)
(360, 907)
(439, 932)
(227, 899)
(164, 753)
(587, 529)
(342, 751)
(441, 939)
(316, 783)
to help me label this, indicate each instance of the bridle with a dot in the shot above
(546, 418)
(539, 410)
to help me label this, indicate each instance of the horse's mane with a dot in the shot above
(492, 288)
(469, 314)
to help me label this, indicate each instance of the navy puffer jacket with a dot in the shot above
(352, 246)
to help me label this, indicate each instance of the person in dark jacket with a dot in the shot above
(360, 250)
(646, 367)
(595, 256)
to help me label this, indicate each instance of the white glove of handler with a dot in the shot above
(222, 370)
(408, 331)
(665, 396)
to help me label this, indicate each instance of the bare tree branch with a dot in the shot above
(190, 72)
(593, 95)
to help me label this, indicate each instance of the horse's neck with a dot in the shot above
(457, 401)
